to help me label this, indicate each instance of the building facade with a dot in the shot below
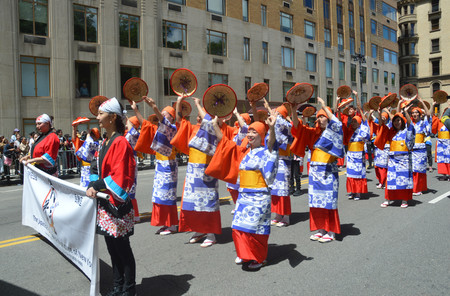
(424, 46)
(56, 55)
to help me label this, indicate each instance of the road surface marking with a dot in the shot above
(19, 240)
(439, 198)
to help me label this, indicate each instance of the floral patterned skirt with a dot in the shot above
(115, 221)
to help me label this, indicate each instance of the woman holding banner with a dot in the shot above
(115, 216)
(45, 150)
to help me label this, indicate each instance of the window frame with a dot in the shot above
(246, 44)
(224, 42)
(35, 63)
(291, 51)
(223, 12)
(311, 26)
(85, 22)
(224, 78)
(314, 60)
(91, 92)
(34, 3)
(265, 52)
(182, 28)
(129, 30)
(290, 18)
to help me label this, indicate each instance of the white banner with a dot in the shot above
(63, 214)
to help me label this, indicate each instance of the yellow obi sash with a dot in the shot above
(321, 156)
(420, 138)
(286, 152)
(399, 146)
(196, 156)
(444, 135)
(356, 146)
(84, 163)
(251, 179)
(161, 157)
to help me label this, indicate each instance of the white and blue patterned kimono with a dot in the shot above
(166, 171)
(324, 177)
(86, 153)
(132, 136)
(283, 137)
(356, 160)
(443, 148)
(399, 174)
(419, 152)
(200, 190)
(253, 205)
(382, 156)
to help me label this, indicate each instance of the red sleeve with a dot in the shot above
(225, 163)
(182, 137)
(228, 131)
(303, 137)
(52, 146)
(77, 143)
(384, 134)
(148, 131)
(435, 126)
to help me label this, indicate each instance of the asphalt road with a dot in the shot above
(391, 251)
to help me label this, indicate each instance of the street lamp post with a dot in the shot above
(361, 59)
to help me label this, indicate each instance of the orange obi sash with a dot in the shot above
(161, 157)
(444, 135)
(286, 152)
(399, 146)
(321, 156)
(356, 146)
(196, 156)
(251, 179)
(84, 163)
(420, 138)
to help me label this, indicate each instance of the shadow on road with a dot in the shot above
(369, 195)
(347, 229)
(279, 253)
(12, 290)
(225, 237)
(167, 284)
(295, 218)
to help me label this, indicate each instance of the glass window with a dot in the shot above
(174, 35)
(389, 11)
(386, 76)
(86, 79)
(85, 23)
(362, 48)
(392, 79)
(327, 37)
(265, 52)
(246, 49)
(313, 99)
(361, 24)
(129, 30)
(413, 48)
(341, 70)
(285, 22)
(434, 5)
(435, 24)
(352, 45)
(413, 70)
(389, 34)
(390, 56)
(351, 20)
(411, 9)
(181, 2)
(216, 6)
(35, 76)
(373, 5)
(375, 73)
(340, 42)
(361, 3)
(214, 78)
(33, 17)
(311, 62)
(247, 84)
(406, 70)
(374, 51)
(329, 68)
(373, 27)
(217, 43)
(339, 14)
(310, 30)
(308, 3)
(330, 94)
(167, 89)
(245, 10)
(353, 72)
(326, 9)
(263, 15)
(435, 67)
(406, 49)
(413, 26)
(127, 72)
(287, 57)
(434, 45)
(364, 74)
